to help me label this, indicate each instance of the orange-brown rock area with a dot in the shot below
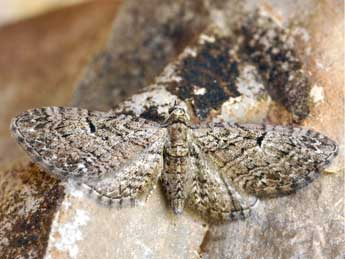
(41, 60)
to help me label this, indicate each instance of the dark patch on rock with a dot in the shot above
(151, 113)
(273, 51)
(27, 207)
(207, 73)
(213, 70)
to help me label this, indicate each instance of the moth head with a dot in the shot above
(177, 114)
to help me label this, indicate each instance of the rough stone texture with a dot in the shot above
(298, 225)
(84, 229)
(40, 61)
(308, 224)
(118, 71)
(273, 49)
(145, 37)
(29, 200)
(210, 78)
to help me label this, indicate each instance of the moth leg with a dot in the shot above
(212, 195)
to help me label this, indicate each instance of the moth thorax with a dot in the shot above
(178, 115)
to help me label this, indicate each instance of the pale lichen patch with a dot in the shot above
(73, 191)
(253, 103)
(317, 94)
(206, 38)
(199, 90)
(159, 99)
(189, 52)
(169, 75)
(64, 236)
(301, 32)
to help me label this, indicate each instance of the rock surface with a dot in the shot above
(40, 61)
(284, 227)
(29, 201)
(144, 39)
(308, 224)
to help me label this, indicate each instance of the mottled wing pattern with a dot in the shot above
(116, 158)
(211, 194)
(265, 160)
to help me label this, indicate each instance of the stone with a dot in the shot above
(144, 39)
(40, 60)
(308, 223)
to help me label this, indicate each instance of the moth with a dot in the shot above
(217, 170)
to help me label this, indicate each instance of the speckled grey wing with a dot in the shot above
(266, 160)
(116, 158)
(212, 194)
